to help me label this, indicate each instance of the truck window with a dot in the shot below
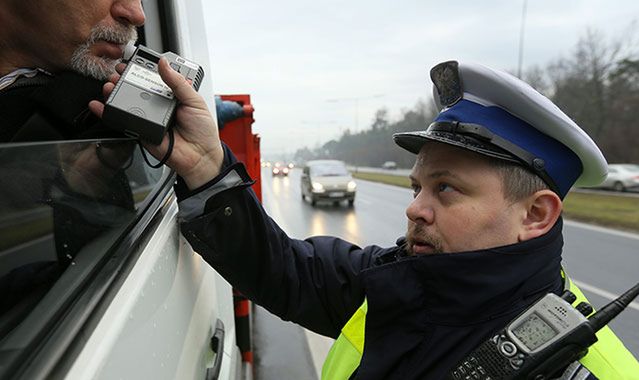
(64, 206)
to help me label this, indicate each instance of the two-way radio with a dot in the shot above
(141, 104)
(542, 341)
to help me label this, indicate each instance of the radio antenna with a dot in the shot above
(608, 312)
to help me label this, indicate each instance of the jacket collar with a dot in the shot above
(468, 287)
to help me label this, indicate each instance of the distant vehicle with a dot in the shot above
(389, 165)
(280, 169)
(327, 180)
(622, 177)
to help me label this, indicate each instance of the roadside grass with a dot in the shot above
(607, 210)
(603, 209)
(23, 232)
(389, 179)
(15, 233)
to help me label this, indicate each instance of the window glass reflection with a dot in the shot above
(58, 201)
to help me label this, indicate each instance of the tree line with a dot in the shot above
(597, 85)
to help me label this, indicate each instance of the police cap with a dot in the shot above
(495, 114)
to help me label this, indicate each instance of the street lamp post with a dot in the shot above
(521, 38)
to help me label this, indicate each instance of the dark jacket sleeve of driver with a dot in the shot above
(313, 282)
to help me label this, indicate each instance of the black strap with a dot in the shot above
(167, 155)
(485, 135)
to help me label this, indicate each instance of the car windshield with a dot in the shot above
(328, 170)
(63, 206)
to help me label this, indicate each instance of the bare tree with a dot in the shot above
(592, 87)
(597, 85)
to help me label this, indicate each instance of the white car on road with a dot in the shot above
(622, 177)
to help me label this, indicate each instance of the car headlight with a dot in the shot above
(317, 187)
(351, 186)
(285, 170)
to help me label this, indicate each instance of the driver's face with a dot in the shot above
(82, 35)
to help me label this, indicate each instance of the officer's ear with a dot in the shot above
(542, 209)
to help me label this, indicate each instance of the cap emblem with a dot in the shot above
(448, 83)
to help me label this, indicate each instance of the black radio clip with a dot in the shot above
(542, 341)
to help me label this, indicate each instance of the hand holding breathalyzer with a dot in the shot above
(141, 104)
(197, 153)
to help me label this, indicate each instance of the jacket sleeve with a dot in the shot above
(313, 282)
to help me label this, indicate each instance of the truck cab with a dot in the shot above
(97, 281)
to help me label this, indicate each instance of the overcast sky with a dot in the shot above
(316, 68)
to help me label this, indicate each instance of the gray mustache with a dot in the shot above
(119, 34)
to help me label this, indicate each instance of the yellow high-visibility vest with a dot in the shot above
(608, 358)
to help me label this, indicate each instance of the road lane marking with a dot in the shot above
(603, 293)
(319, 346)
(611, 231)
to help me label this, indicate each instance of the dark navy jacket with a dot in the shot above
(425, 313)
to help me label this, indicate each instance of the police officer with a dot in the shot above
(484, 237)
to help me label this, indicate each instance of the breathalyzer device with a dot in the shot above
(141, 104)
(542, 341)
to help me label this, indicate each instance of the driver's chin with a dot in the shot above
(94, 66)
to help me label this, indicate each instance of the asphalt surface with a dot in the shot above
(603, 262)
(281, 349)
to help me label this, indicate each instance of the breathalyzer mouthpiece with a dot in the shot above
(128, 51)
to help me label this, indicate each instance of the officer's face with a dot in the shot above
(85, 35)
(458, 203)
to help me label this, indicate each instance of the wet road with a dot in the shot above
(603, 262)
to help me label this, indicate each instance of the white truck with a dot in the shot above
(96, 285)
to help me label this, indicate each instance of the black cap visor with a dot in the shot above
(475, 138)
